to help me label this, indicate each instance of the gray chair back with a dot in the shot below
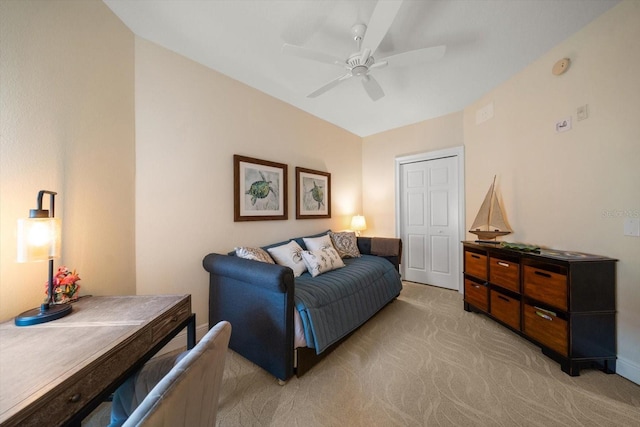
(188, 395)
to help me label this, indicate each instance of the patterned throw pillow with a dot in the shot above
(289, 255)
(317, 243)
(322, 260)
(256, 254)
(346, 243)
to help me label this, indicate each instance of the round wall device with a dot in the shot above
(561, 66)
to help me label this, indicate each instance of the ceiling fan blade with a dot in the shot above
(372, 87)
(417, 56)
(333, 83)
(314, 55)
(378, 64)
(366, 53)
(380, 22)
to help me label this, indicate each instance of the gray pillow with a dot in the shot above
(256, 254)
(346, 243)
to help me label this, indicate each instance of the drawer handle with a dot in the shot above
(540, 273)
(504, 298)
(75, 398)
(174, 318)
(544, 316)
(475, 256)
(503, 264)
(476, 286)
(553, 313)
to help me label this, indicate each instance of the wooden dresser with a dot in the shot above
(565, 302)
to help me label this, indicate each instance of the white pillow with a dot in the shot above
(317, 243)
(322, 260)
(289, 255)
(256, 254)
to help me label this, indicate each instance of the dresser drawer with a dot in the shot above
(546, 286)
(546, 328)
(504, 273)
(505, 308)
(476, 294)
(475, 264)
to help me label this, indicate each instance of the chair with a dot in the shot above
(188, 394)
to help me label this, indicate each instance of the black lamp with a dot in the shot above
(39, 240)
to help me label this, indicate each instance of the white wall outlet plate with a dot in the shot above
(582, 112)
(563, 125)
(632, 227)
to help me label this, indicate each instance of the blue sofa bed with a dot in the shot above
(259, 300)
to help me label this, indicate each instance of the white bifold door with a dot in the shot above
(429, 221)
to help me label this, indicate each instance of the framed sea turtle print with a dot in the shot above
(313, 194)
(260, 189)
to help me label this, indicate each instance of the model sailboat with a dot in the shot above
(490, 222)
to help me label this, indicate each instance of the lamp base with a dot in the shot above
(43, 315)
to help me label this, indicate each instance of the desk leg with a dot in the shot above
(191, 332)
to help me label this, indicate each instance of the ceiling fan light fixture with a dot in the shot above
(359, 70)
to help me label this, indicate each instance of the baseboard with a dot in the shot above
(628, 369)
(180, 340)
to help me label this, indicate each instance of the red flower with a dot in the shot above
(69, 279)
(65, 287)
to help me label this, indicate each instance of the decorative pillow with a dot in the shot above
(346, 243)
(289, 255)
(322, 260)
(256, 254)
(317, 243)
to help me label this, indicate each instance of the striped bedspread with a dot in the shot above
(335, 303)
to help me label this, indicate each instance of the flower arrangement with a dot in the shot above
(65, 286)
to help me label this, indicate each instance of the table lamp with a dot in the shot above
(39, 240)
(358, 223)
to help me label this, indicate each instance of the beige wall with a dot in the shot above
(67, 125)
(571, 190)
(378, 165)
(190, 121)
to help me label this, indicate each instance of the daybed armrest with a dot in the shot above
(387, 247)
(271, 277)
(258, 300)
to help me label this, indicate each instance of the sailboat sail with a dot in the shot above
(490, 222)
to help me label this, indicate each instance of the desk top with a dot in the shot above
(57, 367)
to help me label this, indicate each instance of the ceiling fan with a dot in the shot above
(362, 62)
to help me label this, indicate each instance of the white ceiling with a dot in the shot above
(487, 41)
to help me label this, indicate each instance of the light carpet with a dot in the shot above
(424, 361)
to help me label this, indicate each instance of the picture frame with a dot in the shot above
(313, 194)
(260, 189)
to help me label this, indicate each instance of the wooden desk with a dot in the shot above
(56, 373)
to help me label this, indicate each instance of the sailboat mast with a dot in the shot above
(493, 185)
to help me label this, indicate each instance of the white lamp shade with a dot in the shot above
(358, 223)
(38, 239)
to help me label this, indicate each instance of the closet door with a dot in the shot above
(429, 221)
